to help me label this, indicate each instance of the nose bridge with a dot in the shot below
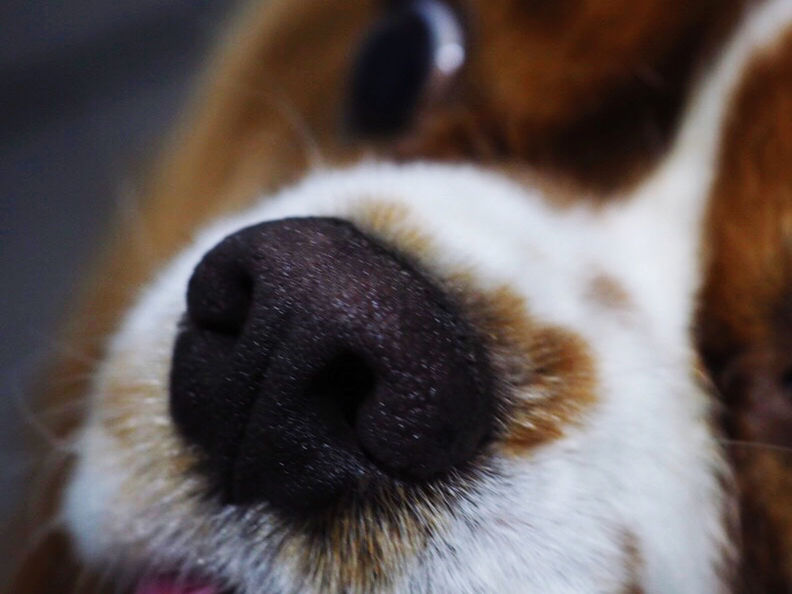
(314, 362)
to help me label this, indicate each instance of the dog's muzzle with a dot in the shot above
(314, 363)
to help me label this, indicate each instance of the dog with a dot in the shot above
(436, 296)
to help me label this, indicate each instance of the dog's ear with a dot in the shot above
(745, 317)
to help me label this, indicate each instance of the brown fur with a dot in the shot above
(608, 292)
(745, 321)
(548, 376)
(587, 90)
(635, 564)
(361, 548)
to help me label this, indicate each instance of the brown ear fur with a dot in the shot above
(745, 320)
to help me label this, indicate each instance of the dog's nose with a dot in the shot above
(314, 362)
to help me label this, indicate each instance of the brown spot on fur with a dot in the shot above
(745, 318)
(547, 373)
(607, 291)
(634, 564)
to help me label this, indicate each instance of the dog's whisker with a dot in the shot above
(32, 420)
(742, 444)
(74, 407)
(270, 96)
(65, 350)
(47, 475)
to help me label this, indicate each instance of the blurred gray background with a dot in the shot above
(88, 88)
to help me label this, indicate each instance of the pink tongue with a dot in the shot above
(165, 586)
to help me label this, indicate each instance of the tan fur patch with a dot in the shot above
(634, 564)
(607, 291)
(389, 221)
(548, 375)
(365, 548)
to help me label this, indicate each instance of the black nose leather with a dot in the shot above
(314, 362)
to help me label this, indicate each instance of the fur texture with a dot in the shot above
(613, 271)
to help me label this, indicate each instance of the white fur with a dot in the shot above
(642, 463)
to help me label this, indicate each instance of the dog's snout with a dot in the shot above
(314, 362)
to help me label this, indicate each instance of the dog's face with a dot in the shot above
(397, 374)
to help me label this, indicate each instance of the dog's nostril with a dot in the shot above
(314, 362)
(343, 384)
(219, 296)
